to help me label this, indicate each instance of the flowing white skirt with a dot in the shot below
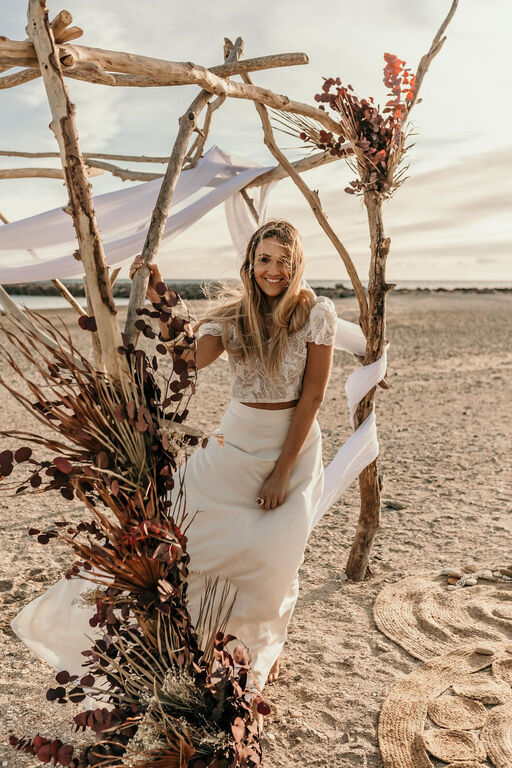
(231, 537)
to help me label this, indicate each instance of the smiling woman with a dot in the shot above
(251, 501)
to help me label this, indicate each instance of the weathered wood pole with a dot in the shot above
(80, 199)
(369, 486)
(187, 125)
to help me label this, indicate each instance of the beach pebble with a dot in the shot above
(470, 582)
(487, 575)
(453, 572)
(392, 504)
(470, 567)
(506, 571)
(485, 650)
(451, 587)
(453, 580)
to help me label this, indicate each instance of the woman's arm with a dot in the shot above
(208, 347)
(316, 377)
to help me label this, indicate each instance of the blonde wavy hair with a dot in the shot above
(246, 305)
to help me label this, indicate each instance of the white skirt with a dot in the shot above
(259, 551)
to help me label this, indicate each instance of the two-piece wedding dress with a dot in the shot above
(259, 551)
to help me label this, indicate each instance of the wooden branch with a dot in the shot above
(369, 485)
(92, 155)
(314, 202)
(195, 153)
(58, 24)
(182, 73)
(80, 199)
(97, 348)
(425, 61)
(300, 166)
(250, 204)
(71, 33)
(18, 78)
(187, 125)
(122, 173)
(21, 53)
(40, 173)
(69, 297)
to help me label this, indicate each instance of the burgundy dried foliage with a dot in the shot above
(111, 451)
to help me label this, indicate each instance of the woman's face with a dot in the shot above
(271, 266)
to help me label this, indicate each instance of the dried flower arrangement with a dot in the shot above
(377, 139)
(168, 694)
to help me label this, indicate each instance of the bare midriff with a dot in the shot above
(273, 406)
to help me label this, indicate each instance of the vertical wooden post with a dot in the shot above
(187, 125)
(369, 487)
(80, 199)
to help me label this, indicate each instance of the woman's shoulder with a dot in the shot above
(324, 303)
(322, 321)
(211, 328)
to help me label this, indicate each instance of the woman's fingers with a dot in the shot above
(138, 262)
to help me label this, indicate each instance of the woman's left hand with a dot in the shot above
(273, 490)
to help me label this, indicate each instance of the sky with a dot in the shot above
(451, 218)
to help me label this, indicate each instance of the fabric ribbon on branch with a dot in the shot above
(362, 447)
(123, 217)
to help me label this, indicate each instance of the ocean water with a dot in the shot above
(58, 302)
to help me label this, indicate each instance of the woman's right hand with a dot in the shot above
(154, 278)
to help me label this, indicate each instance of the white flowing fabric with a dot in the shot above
(123, 217)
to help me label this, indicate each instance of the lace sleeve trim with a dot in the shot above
(212, 329)
(322, 321)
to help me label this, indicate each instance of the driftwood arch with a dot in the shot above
(49, 53)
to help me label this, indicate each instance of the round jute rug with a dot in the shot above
(457, 712)
(404, 713)
(427, 620)
(497, 736)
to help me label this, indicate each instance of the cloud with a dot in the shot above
(460, 187)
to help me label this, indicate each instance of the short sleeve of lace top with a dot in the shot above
(322, 321)
(212, 329)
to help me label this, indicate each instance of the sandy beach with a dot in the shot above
(445, 429)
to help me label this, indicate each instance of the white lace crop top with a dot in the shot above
(251, 384)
